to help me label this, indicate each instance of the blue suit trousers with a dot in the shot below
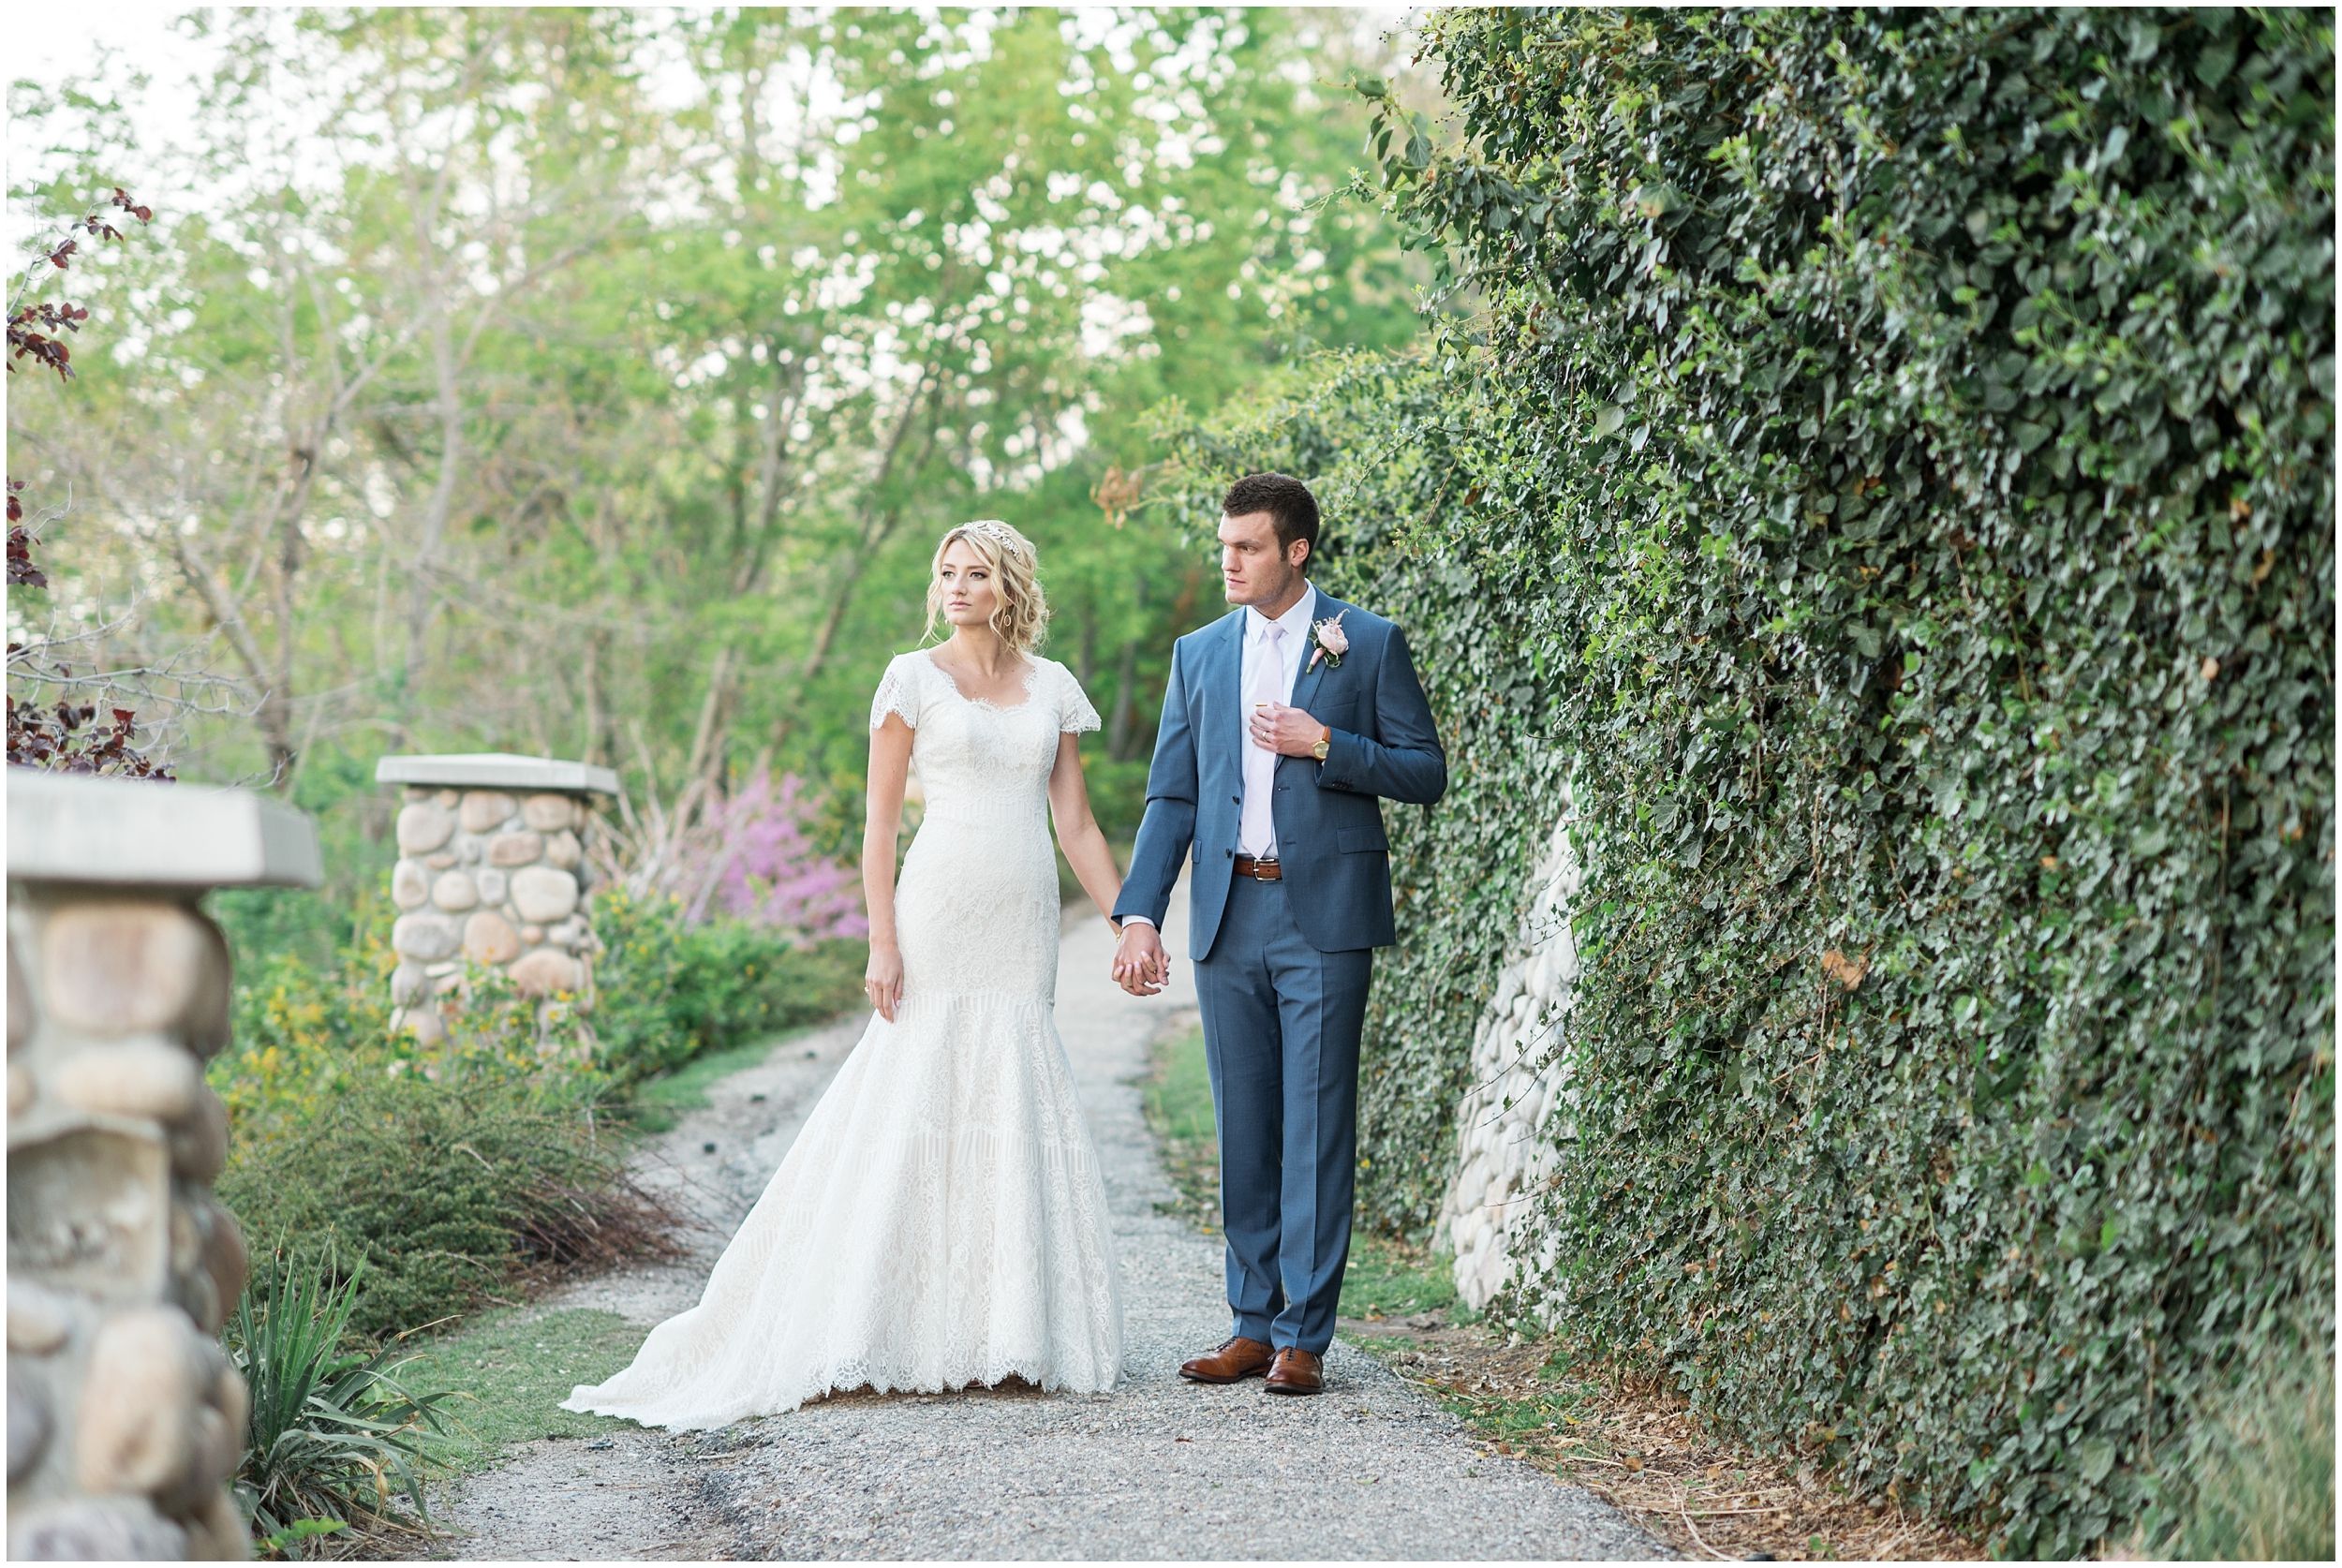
(1281, 1021)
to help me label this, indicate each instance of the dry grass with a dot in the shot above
(565, 1229)
(1637, 1445)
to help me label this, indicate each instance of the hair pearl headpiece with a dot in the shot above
(992, 529)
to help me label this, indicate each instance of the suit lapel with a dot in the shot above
(1305, 685)
(1228, 680)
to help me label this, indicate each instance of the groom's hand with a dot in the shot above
(1287, 731)
(1140, 965)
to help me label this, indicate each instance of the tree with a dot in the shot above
(55, 737)
(632, 443)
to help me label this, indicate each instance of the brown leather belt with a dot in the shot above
(1259, 870)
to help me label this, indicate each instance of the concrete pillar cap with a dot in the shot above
(497, 770)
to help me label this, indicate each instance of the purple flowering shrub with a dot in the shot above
(752, 860)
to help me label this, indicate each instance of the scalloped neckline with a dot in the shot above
(1032, 674)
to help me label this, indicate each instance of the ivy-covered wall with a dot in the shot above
(1888, 464)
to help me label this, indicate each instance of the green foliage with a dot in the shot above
(507, 1373)
(331, 1432)
(265, 923)
(441, 1170)
(2266, 1491)
(300, 1032)
(1891, 486)
(664, 992)
(313, 924)
(442, 1191)
(304, 1035)
(289, 1542)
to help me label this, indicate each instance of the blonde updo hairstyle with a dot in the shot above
(1021, 618)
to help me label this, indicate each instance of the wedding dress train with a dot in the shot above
(940, 1220)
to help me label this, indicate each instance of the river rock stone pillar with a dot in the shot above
(493, 871)
(1506, 1128)
(126, 1419)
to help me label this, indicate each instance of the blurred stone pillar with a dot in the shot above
(125, 1418)
(492, 870)
(1521, 1102)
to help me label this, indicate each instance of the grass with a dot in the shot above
(1179, 1108)
(1179, 1096)
(1389, 1278)
(2267, 1491)
(507, 1374)
(659, 1104)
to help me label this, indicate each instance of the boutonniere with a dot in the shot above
(1331, 642)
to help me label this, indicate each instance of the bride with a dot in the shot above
(940, 1220)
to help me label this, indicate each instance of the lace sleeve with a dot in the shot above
(897, 694)
(1076, 716)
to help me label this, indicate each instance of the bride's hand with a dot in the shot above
(1140, 965)
(883, 981)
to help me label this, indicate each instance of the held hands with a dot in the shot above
(1287, 731)
(1140, 965)
(883, 981)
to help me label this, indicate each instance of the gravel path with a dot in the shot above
(1160, 1468)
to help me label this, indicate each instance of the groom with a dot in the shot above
(1284, 725)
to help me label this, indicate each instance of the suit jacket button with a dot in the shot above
(1232, 855)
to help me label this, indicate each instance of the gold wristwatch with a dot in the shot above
(1325, 743)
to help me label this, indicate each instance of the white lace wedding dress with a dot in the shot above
(941, 1219)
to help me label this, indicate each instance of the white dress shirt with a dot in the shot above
(1258, 827)
(1260, 764)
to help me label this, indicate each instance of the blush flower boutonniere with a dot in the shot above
(1331, 642)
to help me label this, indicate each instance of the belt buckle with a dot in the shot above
(1260, 866)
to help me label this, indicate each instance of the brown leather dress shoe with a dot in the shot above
(1297, 1371)
(1236, 1359)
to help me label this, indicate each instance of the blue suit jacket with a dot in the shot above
(1335, 856)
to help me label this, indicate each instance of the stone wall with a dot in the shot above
(496, 878)
(1520, 1081)
(126, 1419)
